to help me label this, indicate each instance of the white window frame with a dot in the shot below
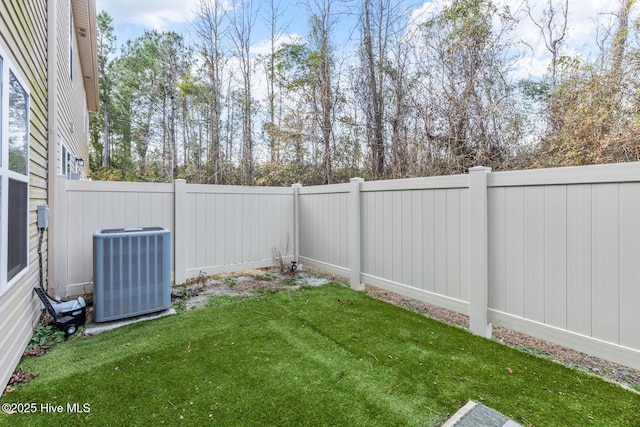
(7, 68)
(86, 115)
(65, 160)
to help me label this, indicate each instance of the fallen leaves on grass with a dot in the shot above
(20, 377)
(37, 351)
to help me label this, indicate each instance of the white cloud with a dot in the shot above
(156, 14)
(263, 47)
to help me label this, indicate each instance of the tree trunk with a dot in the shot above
(376, 106)
(106, 153)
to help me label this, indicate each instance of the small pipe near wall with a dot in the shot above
(52, 148)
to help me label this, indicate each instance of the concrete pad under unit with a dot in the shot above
(97, 328)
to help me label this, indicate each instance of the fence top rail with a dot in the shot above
(118, 186)
(592, 174)
(325, 189)
(426, 183)
(236, 189)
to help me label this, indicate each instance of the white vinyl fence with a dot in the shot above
(554, 253)
(213, 228)
(564, 256)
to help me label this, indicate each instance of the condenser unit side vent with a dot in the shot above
(132, 268)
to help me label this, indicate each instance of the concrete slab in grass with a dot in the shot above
(478, 415)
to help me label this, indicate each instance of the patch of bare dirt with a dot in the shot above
(197, 291)
(251, 284)
(627, 377)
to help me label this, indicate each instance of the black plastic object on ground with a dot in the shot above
(68, 316)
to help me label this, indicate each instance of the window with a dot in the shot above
(14, 175)
(86, 116)
(65, 161)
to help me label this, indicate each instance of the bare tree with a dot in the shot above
(467, 106)
(619, 44)
(373, 77)
(384, 62)
(553, 29)
(398, 70)
(323, 84)
(594, 107)
(275, 12)
(242, 23)
(175, 58)
(210, 31)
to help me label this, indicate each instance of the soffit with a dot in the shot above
(84, 20)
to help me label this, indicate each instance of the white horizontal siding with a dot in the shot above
(23, 42)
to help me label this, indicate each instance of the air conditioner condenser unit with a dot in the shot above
(131, 268)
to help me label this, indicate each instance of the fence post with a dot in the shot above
(296, 222)
(355, 236)
(478, 252)
(180, 231)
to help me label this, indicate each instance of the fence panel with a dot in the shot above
(231, 228)
(85, 207)
(576, 248)
(324, 227)
(418, 238)
(629, 229)
(220, 228)
(563, 251)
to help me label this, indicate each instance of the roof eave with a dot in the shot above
(84, 18)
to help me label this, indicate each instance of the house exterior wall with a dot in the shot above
(23, 42)
(39, 45)
(72, 118)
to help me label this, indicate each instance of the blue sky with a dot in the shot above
(132, 17)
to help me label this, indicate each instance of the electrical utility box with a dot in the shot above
(43, 216)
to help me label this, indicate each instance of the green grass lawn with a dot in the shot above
(324, 356)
